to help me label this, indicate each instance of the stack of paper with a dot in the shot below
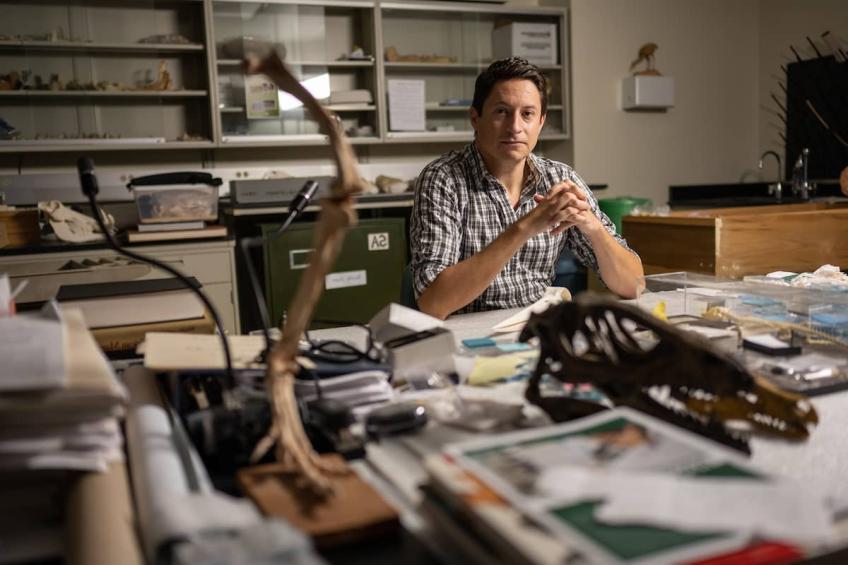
(59, 403)
(354, 389)
(66, 418)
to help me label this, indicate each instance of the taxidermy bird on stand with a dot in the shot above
(646, 55)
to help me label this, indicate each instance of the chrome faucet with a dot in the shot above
(801, 186)
(777, 188)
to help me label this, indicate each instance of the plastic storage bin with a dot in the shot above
(176, 197)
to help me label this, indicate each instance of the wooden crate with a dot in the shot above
(19, 226)
(735, 242)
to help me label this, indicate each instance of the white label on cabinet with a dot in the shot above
(378, 241)
(345, 279)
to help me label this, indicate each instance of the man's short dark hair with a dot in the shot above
(508, 69)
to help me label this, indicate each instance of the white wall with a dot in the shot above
(784, 23)
(710, 48)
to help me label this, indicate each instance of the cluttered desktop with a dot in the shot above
(700, 420)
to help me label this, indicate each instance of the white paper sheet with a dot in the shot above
(406, 105)
(777, 509)
(32, 351)
(708, 332)
(553, 295)
(364, 387)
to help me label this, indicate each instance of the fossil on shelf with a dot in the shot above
(393, 56)
(163, 80)
(20, 80)
(166, 39)
(14, 80)
(185, 136)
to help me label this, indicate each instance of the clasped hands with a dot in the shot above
(565, 205)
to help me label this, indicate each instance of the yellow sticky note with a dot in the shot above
(501, 367)
(659, 311)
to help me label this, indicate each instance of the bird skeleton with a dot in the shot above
(646, 55)
(336, 216)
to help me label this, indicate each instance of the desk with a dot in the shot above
(394, 465)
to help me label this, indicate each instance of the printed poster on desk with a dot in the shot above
(552, 475)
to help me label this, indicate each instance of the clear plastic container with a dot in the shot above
(176, 203)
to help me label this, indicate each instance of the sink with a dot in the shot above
(687, 197)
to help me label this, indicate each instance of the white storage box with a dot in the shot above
(536, 42)
(645, 92)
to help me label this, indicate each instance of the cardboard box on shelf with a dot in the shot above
(537, 42)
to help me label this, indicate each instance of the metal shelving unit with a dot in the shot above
(463, 32)
(223, 118)
(316, 37)
(96, 42)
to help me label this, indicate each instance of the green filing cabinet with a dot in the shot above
(366, 276)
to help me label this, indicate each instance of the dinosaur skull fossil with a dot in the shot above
(676, 376)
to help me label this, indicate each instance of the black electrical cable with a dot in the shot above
(88, 183)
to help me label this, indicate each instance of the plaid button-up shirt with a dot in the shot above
(460, 208)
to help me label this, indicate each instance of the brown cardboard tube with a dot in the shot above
(101, 527)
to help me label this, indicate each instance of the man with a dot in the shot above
(490, 221)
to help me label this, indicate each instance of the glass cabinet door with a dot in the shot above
(441, 51)
(103, 74)
(330, 49)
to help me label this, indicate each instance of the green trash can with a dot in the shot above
(618, 207)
